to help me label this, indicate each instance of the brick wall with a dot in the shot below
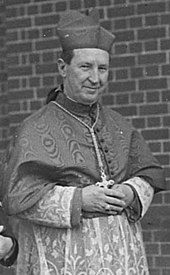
(139, 81)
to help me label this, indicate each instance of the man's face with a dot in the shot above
(86, 77)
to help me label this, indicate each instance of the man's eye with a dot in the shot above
(102, 69)
(85, 67)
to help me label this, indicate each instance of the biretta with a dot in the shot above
(77, 30)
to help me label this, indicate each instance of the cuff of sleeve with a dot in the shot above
(76, 208)
(134, 210)
(10, 258)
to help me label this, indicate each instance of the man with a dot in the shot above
(79, 177)
(8, 243)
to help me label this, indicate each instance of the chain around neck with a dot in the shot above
(91, 129)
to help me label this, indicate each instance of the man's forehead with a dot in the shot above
(90, 54)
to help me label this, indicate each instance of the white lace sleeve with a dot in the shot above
(144, 190)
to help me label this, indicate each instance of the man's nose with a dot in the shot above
(94, 76)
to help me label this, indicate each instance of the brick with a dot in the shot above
(150, 58)
(165, 18)
(153, 83)
(3, 76)
(137, 97)
(48, 57)
(11, 12)
(19, 23)
(19, 47)
(42, 92)
(166, 223)
(166, 95)
(34, 81)
(16, 2)
(122, 86)
(35, 105)
(151, 45)
(3, 99)
(138, 123)
(162, 261)
(166, 272)
(3, 121)
(127, 110)
(122, 99)
(163, 160)
(75, 4)
(136, 72)
(13, 84)
(121, 74)
(167, 197)
(166, 121)
(153, 96)
(166, 146)
(48, 80)
(32, 10)
(151, 8)
(46, 8)
(155, 147)
(155, 134)
(165, 69)
(135, 21)
(127, 35)
(121, 49)
(46, 68)
(18, 118)
(120, 24)
(153, 271)
(165, 44)
(46, 20)
(121, 11)
(135, 47)
(119, 2)
(151, 20)
(26, 94)
(60, 6)
(104, 2)
(2, 43)
(152, 71)
(33, 34)
(150, 33)
(125, 61)
(47, 44)
(153, 122)
(34, 58)
(13, 60)
(12, 36)
(20, 71)
(107, 99)
(152, 249)
(14, 107)
(153, 109)
(2, 31)
(91, 3)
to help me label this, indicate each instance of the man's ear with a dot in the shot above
(62, 67)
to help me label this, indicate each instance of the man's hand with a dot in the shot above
(103, 200)
(127, 191)
(5, 244)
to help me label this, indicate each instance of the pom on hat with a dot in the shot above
(76, 31)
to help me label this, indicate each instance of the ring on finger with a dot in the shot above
(108, 207)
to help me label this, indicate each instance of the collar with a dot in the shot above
(73, 106)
